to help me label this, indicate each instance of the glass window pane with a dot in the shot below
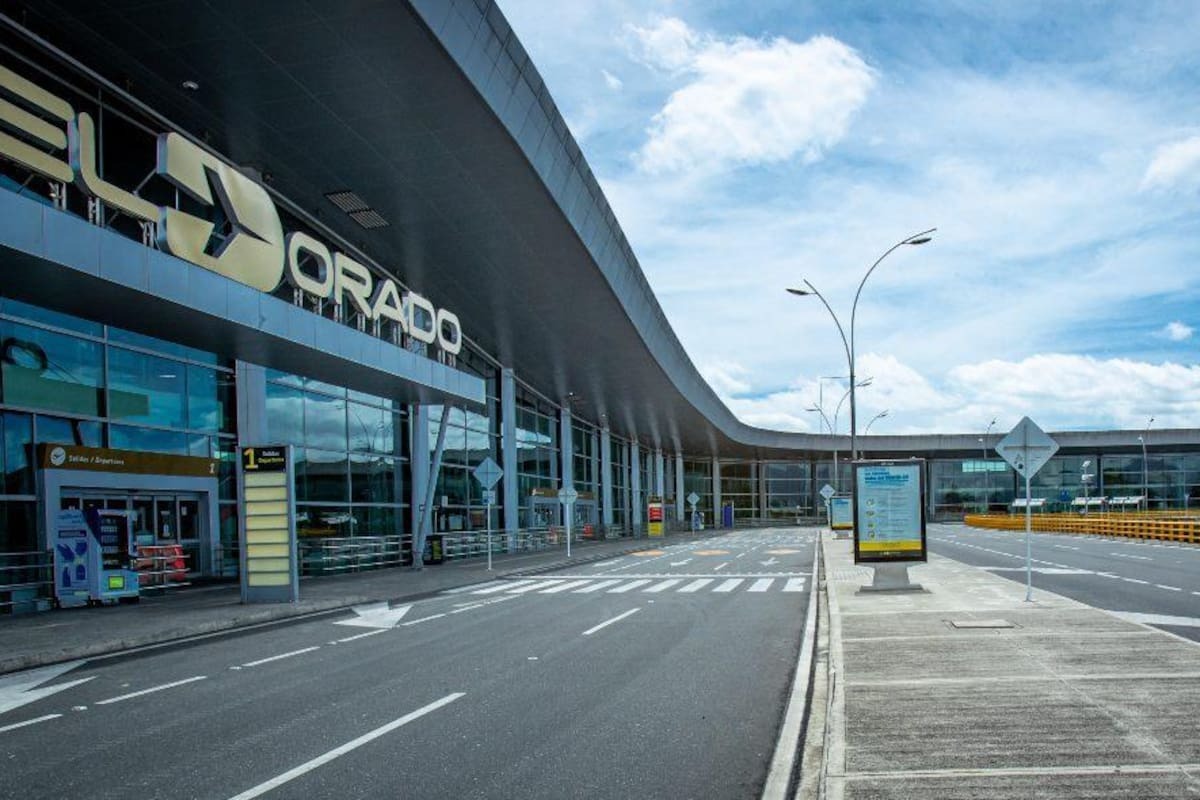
(285, 414)
(50, 371)
(18, 453)
(324, 421)
(210, 400)
(124, 437)
(372, 479)
(18, 532)
(325, 477)
(47, 317)
(370, 428)
(56, 430)
(143, 388)
(160, 345)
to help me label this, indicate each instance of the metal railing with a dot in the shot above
(26, 581)
(339, 554)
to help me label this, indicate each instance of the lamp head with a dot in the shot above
(800, 292)
(920, 240)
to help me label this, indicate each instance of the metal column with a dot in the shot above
(508, 457)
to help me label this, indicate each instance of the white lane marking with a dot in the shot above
(354, 744)
(729, 585)
(697, 585)
(361, 635)
(662, 587)
(1168, 588)
(720, 567)
(281, 656)
(533, 587)
(33, 721)
(422, 619)
(501, 587)
(739, 555)
(595, 587)
(474, 588)
(1135, 580)
(564, 587)
(18, 689)
(794, 585)
(627, 587)
(761, 585)
(1139, 558)
(154, 689)
(606, 623)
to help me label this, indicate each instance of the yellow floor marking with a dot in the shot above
(644, 553)
(712, 552)
(782, 552)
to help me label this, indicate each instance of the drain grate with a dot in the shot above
(976, 624)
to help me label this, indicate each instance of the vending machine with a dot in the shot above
(94, 558)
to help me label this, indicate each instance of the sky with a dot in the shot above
(748, 146)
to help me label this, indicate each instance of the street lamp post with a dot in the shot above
(987, 479)
(878, 416)
(848, 344)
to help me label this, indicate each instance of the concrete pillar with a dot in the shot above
(680, 500)
(760, 475)
(508, 457)
(251, 404)
(419, 469)
(566, 447)
(716, 494)
(635, 484)
(660, 483)
(606, 486)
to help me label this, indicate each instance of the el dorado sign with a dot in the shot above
(54, 141)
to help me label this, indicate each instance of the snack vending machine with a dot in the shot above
(94, 558)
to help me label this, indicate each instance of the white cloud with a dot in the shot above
(1176, 331)
(612, 81)
(1173, 164)
(748, 100)
(725, 378)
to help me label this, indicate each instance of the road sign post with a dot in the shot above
(567, 496)
(488, 473)
(692, 499)
(1027, 448)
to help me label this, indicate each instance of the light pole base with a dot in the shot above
(891, 578)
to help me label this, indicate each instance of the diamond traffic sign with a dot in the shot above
(488, 473)
(567, 495)
(828, 491)
(1027, 448)
(693, 498)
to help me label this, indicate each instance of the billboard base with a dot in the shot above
(891, 578)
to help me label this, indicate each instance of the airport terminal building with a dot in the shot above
(359, 228)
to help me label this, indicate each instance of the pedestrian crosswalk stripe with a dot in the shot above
(697, 585)
(563, 587)
(628, 586)
(662, 587)
(504, 586)
(595, 587)
(794, 585)
(761, 585)
(729, 585)
(533, 587)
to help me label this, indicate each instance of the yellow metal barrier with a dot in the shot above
(1168, 526)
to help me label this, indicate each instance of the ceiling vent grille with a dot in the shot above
(369, 218)
(347, 201)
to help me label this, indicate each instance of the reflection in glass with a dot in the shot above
(324, 421)
(57, 430)
(124, 437)
(18, 442)
(285, 414)
(325, 477)
(210, 400)
(50, 371)
(143, 388)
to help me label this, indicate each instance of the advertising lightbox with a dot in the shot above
(889, 511)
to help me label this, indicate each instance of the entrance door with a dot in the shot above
(190, 529)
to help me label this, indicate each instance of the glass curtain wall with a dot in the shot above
(537, 455)
(739, 485)
(585, 458)
(789, 489)
(697, 478)
(65, 380)
(968, 486)
(351, 453)
(620, 482)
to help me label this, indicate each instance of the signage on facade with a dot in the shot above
(270, 568)
(889, 511)
(654, 516)
(256, 253)
(104, 459)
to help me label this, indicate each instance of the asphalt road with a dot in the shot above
(661, 674)
(1153, 582)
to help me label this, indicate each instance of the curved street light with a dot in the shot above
(878, 416)
(1145, 472)
(848, 344)
(987, 482)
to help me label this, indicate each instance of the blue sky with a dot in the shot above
(746, 146)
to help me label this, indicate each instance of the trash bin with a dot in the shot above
(435, 549)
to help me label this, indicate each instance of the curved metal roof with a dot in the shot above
(433, 114)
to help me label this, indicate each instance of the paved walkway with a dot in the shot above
(1065, 701)
(34, 640)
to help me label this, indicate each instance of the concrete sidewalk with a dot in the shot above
(35, 640)
(1068, 702)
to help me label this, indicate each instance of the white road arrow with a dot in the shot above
(18, 689)
(680, 563)
(378, 615)
(769, 561)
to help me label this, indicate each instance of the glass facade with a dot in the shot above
(739, 485)
(788, 489)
